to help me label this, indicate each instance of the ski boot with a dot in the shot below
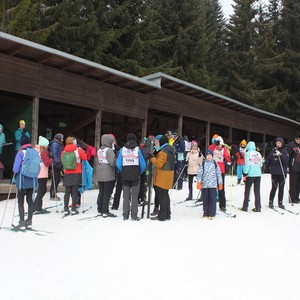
(280, 205)
(271, 205)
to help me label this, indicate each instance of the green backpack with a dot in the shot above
(69, 160)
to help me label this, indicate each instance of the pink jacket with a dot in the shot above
(45, 162)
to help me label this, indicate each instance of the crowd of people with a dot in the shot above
(169, 158)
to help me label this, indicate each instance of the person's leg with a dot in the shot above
(134, 199)
(257, 192)
(29, 201)
(108, 187)
(42, 189)
(21, 195)
(249, 182)
(100, 197)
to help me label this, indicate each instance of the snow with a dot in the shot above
(252, 256)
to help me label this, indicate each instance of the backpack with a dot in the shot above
(31, 163)
(69, 160)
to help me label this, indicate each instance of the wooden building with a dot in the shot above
(57, 92)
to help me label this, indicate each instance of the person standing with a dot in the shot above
(46, 162)
(209, 180)
(194, 158)
(278, 161)
(25, 185)
(19, 132)
(71, 158)
(221, 155)
(240, 160)
(293, 149)
(2, 139)
(179, 146)
(252, 171)
(56, 147)
(105, 174)
(132, 164)
(164, 164)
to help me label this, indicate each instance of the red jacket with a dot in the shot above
(220, 154)
(81, 156)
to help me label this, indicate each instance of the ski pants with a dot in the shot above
(118, 191)
(209, 196)
(130, 198)
(21, 195)
(72, 191)
(294, 186)
(239, 172)
(222, 198)
(178, 175)
(249, 182)
(105, 191)
(42, 189)
(164, 203)
(55, 179)
(277, 181)
(191, 180)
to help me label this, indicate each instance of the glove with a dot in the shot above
(228, 163)
(241, 155)
(13, 181)
(220, 187)
(24, 131)
(278, 153)
(186, 162)
(296, 149)
(244, 177)
(199, 185)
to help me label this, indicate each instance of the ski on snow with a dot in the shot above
(227, 214)
(290, 211)
(15, 228)
(186, 200)
(276, 210)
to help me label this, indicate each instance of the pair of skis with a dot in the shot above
(16, 228)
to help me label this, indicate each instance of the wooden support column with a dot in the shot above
(35, 120)
(98, 121)
(207, 140)
(230, 136)
(248, 136)
(180, 123)
(144, 126)
(264, 145)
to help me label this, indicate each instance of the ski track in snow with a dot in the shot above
(252, 256)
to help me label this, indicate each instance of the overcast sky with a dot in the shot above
(227, 8)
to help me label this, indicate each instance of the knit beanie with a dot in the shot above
(297, 135)
(25, 140)
(194, 144)
(158, 137)
(43, 141)
(59, 137)
(163, 140)
(280, 139)
(243, 143)
(208, 151)
(131, 137)
(214, 137)
(21, 122)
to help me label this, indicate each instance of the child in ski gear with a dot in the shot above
(105, 174)
(164, 164)
(252, 169)
(72, 177)
(25, 185)
(56, 147)
(221, 155)
(209, 180)
(46, 162)
(240, 160)
(2, 139)
(132, 164)
(277, 161)
(293, 149)
(19, 132)
(194, 158)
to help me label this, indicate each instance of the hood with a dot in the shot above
(70, 148)
(251, 146)
(168, 149)
(1, 126)
(107, 140)
(131, 144)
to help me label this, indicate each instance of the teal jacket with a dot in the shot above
(18, 135)
(2, 139)
(253, 161)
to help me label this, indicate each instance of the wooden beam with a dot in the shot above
(180, 122)
(207, 140)
(83, 123)
(35, 119)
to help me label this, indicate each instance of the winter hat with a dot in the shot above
(280, 139)
(194, 144)
(243, 143)
(214, 137)
(59, 137)
(131, 137)
(21, 122)
(43, 141)
(297, 135)
(219, 141)
(25, 140)
(163, 140)
(208, 151)
(158, 137)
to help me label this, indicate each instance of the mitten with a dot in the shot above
(220, 187)
(199, 185)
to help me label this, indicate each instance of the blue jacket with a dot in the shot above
(55, 151)
(87, 177)
(209, 174)
(253, 161)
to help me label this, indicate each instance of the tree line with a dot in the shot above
(252, 57)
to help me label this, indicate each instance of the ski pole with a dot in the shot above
(284, 176)
(4, 212)
(178, 178)
(82, 189)
(12, 220)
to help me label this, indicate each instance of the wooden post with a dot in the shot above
(180, 122)
(98, 129)
(35, 120)
(264, 145)
(207, 140)
(248, 136)
(144, 126)
(230, 136)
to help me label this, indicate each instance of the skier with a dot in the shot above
(19, 132)
(252, 171)
(209, 179)
(240, 154)
(179, 146)
(132, 164)
(221, 154)
(105, 174)
(46, 162)
(194, 158)
(164, 164)
(277, 161)
(293, 149)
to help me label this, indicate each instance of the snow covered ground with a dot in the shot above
(252, 256)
